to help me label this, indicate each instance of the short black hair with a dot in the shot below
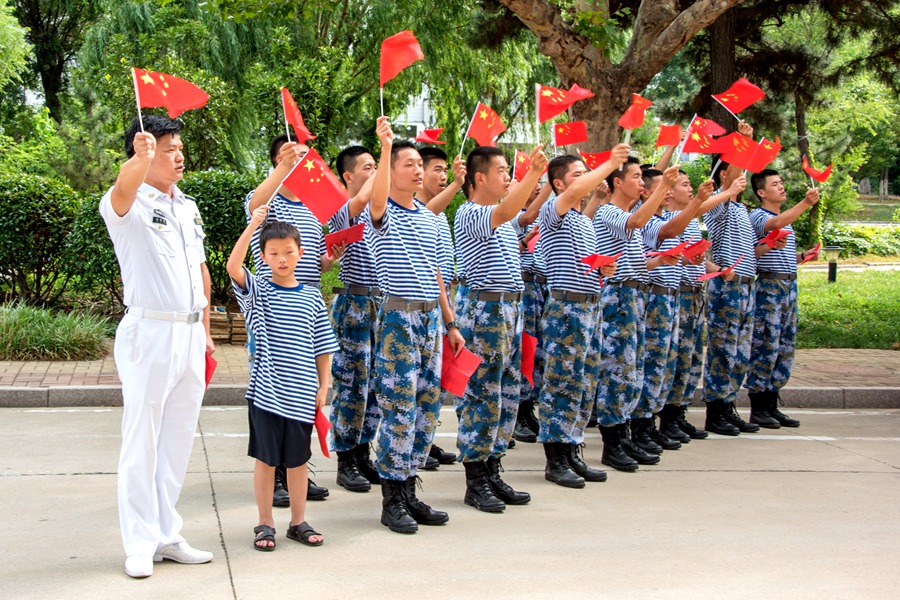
(155, 124)
(479, 161)
(278, 230)
(632, 160)
(649, 173)
(281, 140)
(346, 159)
(717, 174)
(401, 145)
(558, 168)
(430, 153)
(758, 180)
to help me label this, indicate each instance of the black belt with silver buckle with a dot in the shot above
(685, 288)
(533, 277)
(742, 279)
(661, 289)
(785, 276)
(643, 287)
(574, 296)
(398, 303)
(357, 290)
(494, 296)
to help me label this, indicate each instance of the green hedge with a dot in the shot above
(862, 239)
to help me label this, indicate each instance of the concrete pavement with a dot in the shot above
(804, 513)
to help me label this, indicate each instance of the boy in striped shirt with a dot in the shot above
(289, 379)
(775, 317)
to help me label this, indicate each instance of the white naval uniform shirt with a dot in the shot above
(159, 246)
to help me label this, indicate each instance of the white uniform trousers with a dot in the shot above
(161, 365)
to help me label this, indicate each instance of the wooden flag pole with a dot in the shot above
(287, 129)
(137, 99)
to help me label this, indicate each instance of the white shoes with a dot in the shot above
(139, 566)
(182, 553)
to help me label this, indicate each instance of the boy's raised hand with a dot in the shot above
(744, 128)
(705, 190)
(459, 169)
(258, 217)
(539, 160)
(290, 154)
(812, 196)
(619, 155)
(738, 185)
(670, 176)
(383, 131)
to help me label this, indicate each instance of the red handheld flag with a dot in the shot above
(292, 115)
(763, 156)
(158, 89)
(812, 253)
(316, 186)
(669, 135)
(430, 136)
(595, 261)
(774, 237)
(532, 243)
(595, 159)
(707, 126)
(486, 126)
(698, 142)
(565, 134)
(635, 114)
(529, 347)
(322, 425)
(739, 96)
(521, 166)
(552, 101)
(722, 272)
(210, 368)
(674, 251)
(456, 370)
(696, 249)
(344, 236)
(820, 176)
(398, 52)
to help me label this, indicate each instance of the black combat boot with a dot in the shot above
(760, 410)
(638, 454)
(640, 437)
(501, 489)
(668, 425)
(580, 467)
(348, 475)
(418, 510)
(782, 418)
(687, 427)
(438, 454)
(558, 470)
(365, 465)
(478, 489)
(281, 498)
(526, 409)
(715, 419)
(523, 432)
(431, 464)
(315, 492)
(394, 513)
(732, 416)
(614, 454)
(657, 436)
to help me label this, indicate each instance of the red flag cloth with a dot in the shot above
(532, 243)
(486, 126)
(698, 142)
(764, 155)
(820, 176)
(595, 261)
(565, 134)
(344, 236)
(595, 159)
(740, 95)
(696, 249)
(774, 237)
(635, 114)
(812, 253)
(722, 272)
(456, 370)
(210, 368)
(521, 166)
(322, 426)
(674, 251)
(158, 89)
(529, 347)
(398, 52)
(430, 136)
(316, 186)
(552, 101)
(706, 126)
(669, 135)
(736, 149)
(293, 116)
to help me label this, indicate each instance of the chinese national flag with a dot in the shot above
(293, 116)
(486, 126)
(706, 126)
(565, 134)
(765, 154)
(733, 143)
(430, 136)
(316, 186)
(158, 89)
(820, 176)
(552, 101)
(521, 166)
(594, 160)
(698, 143)
(398, 52)
(669, 135)
(634, 116)
(739, 96)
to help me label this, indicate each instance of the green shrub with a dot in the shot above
(91, 257)
(862, 239)
(31, 333)
(38, 214)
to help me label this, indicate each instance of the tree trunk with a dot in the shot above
(815, 213)
(722, 66)
(883, 186)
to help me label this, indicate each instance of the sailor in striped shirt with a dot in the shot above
(775, 316)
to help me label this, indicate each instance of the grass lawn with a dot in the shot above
(876, 211)
(860, 310)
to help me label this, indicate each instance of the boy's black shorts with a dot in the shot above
(276, 440)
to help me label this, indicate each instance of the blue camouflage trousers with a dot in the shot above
(487, 410)
(729, 317)
(660, 342)
(533, 300)
(774, 335)
(691, 335)
(354, 411)
(406, 381)
(622, 358)
(571, 362)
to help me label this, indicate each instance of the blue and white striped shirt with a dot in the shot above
(531, 263)
(358, 262)
(407, 249)
(731, 236)
(291, 328)
(448, 269)
(689, 271)
(613, 237)
(490, 257)
(312, 238)
(565, 240)
(665, 275)
(774, 261)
